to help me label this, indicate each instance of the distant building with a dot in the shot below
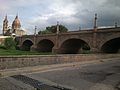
(2, 39)
(15, 29)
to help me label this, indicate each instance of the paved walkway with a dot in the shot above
(44, 68)
(71, 75)
(102, 75)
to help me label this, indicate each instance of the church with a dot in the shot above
(14, 30)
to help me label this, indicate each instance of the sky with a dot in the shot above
(71, 13)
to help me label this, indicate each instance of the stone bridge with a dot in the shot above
(103, 40)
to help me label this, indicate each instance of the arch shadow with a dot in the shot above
(74, 46)
(45, 45)
(26, 45)
(111, 46)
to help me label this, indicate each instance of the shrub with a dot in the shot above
(9, 43)
(2, 47)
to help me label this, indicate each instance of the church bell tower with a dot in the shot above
(5, 25)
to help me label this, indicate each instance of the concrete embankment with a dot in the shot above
(7, 62)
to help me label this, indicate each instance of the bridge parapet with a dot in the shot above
(94, 39)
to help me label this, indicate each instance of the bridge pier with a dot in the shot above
(95, 50)
(33, 48)
(55, 50)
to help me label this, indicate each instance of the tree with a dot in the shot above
(9, 43)
(53, 29)
(44, 32)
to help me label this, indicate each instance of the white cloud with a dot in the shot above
(70, 12)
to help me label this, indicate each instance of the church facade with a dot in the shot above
(15, 29)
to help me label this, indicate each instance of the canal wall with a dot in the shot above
(25, 61)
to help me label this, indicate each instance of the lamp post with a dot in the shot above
(58, 27)
(79, 28)
(57, 38)
(35, 30)
(35, 37)
(95, 22)
(116, 25)
(94, 48)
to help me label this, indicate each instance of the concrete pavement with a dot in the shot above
(101, 74)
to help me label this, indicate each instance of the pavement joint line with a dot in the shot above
(35, 69)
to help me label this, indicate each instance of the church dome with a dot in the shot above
(16, 23)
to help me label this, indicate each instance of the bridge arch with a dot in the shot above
(45, 45)
(73, 46)
(111, 46)
(26, 45)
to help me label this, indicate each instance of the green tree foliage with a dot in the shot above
(9, 43)
(17, 43)
(85, 47)
(53, 29)
(44, 32)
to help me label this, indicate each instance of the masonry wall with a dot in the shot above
(25, 61)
